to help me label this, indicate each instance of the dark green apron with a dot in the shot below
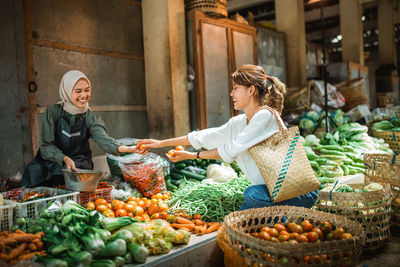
(73, 141)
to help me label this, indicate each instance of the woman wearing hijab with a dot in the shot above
(65, 130)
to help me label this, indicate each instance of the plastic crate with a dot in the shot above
(6, 215)
(85, 197)
(31, 209)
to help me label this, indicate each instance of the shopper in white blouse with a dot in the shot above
(232, 140)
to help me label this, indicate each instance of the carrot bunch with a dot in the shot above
(196, 225)
(19, 246)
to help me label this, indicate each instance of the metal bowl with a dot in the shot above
(82, 180)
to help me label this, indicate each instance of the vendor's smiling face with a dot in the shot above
(81, 93)
(241, 96)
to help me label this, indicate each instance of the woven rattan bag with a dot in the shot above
(283, 163)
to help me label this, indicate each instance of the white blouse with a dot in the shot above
(234, 138)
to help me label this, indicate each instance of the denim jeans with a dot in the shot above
(257, 196)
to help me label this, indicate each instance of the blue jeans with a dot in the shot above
(257, 196)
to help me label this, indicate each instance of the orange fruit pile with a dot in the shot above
(143, 209)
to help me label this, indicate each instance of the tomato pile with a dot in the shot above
(301, 233)
(143, 209)
(293, 233)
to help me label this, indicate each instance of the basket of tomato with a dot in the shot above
(372, 209)
(294, 236)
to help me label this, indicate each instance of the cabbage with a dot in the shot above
(338, 117)
(311, 140)
(220, 173)
(373, 187)
(312, 115)
(306, 124)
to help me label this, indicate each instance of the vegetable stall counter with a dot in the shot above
(201, 251)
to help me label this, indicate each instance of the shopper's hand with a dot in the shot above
(69, 163)
(146, 144)
(175, 155)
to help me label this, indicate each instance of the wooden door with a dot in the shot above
(220, 46)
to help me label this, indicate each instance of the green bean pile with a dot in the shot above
(212, 201)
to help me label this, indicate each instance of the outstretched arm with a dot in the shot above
(182, 155)
(145, 144)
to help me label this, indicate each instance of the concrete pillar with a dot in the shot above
(351, 28)
(289, 16)
(164, 39)
(386, 35)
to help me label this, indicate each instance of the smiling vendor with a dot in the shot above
(65, 130)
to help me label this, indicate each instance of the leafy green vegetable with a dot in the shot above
(113, 248)
(139, 253)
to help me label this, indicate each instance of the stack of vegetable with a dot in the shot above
(392, 125)
(212, 201)
(20, 246)
(341, 153)
(195, 225)
(74, 235)
(309, 120)
(293, 233)
(344, 188)
(200, 170)
(142, 209)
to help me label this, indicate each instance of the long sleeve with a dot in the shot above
(48, 148)
(211, 138)
(99, 134)
(260, 127)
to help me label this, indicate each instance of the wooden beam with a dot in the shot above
(41, 110)
(87, 50)
(33, 120)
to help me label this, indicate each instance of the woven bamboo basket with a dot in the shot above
(371, 209)
(297, 99)
(390, 137)
(384, 168)
(258, 252)
(353, 92)
(231, 257)
(212, 7)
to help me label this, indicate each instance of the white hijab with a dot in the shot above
(68, 82)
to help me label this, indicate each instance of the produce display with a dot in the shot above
(309, 120)
(73, 235)
(162, 204)
(387, 125)
(344, 188)
(293, 233)
(142, 209)
(19, 195)
(20, 246)
(212, 201)
(341, 153)
(200, 170)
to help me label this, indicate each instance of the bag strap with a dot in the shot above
(276, 115)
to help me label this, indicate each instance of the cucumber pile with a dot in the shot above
(341, 153)
(188, 170)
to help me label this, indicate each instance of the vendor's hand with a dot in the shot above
(146, 144)
(130, 149)
(176, 155)
(69, 163)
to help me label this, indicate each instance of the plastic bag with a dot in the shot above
(145, 172)
(112, 160)
(335, 98)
